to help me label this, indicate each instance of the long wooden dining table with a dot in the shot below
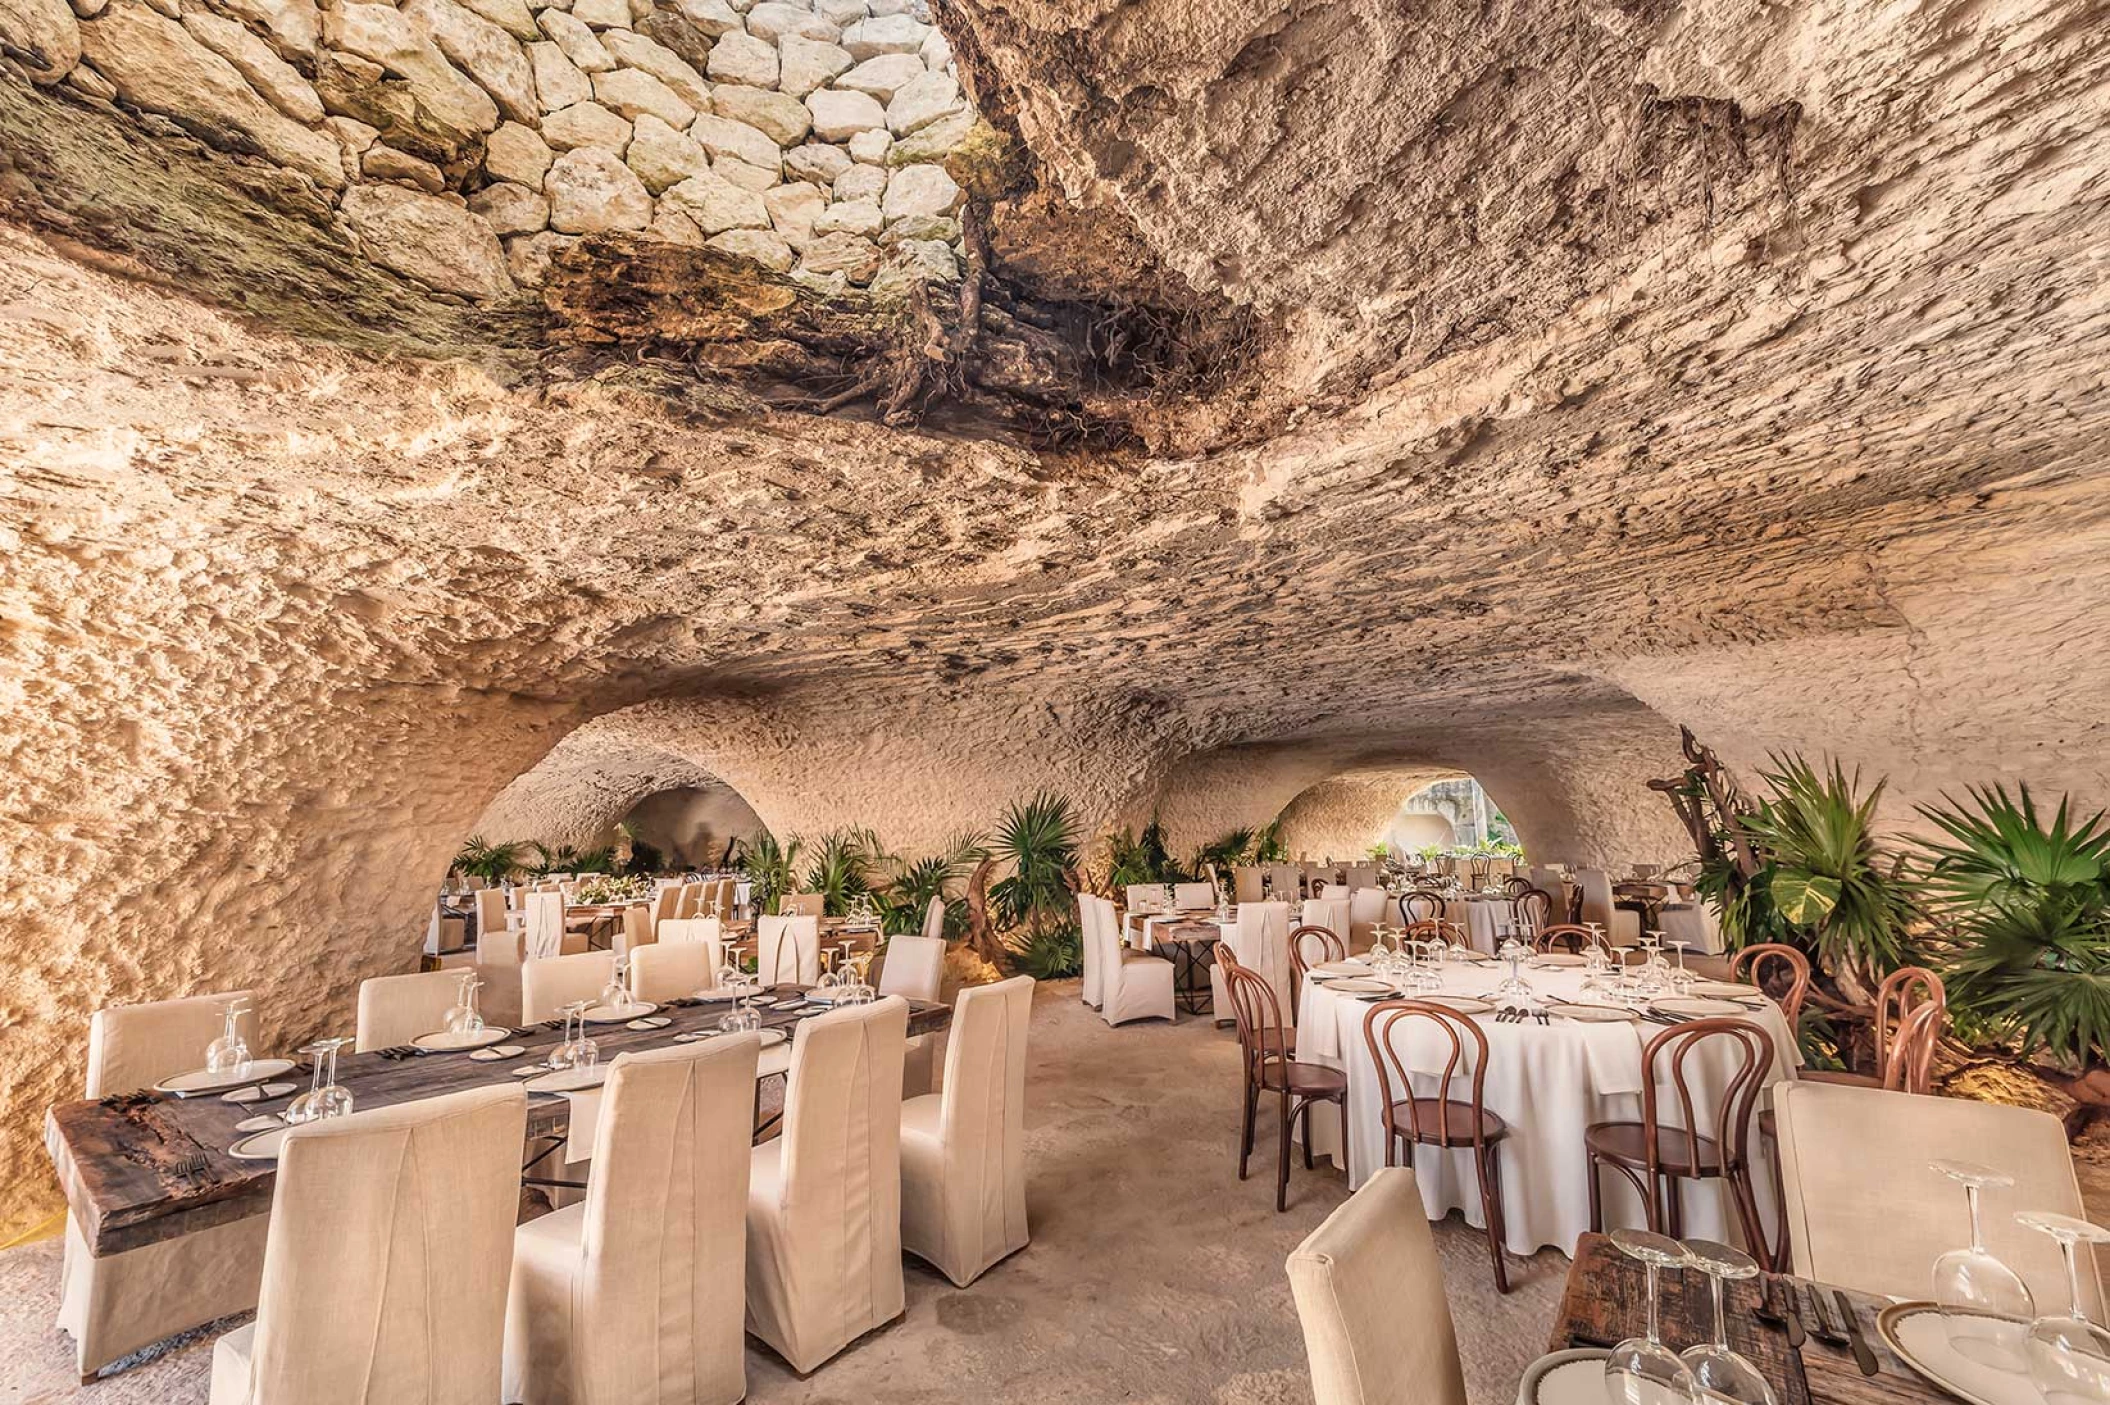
(140, 1168)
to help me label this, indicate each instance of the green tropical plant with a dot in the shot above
(565, 859)
(1223, 851)
(1267, 843)
(843, 862)
(1826, 880)
(771, 867)
(1141, 858)
(494, 863)
(905, 899)
(2026, 906)
(1037, 838)
(1048, 953)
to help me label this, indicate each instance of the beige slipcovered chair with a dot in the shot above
(1193, 897)
(720, 900)
(689, 903)
(1865, 1211)
(635, 1295)
(1260, 941)
(490, 910)
(1133, 985)
(114, 1305)
(708, 931)
(1088, 949)
(1369, 1292)
(788, 950)
(1366, 908)
(1282, 879)
(934, 919)
(824, 1204)
(397, 1009)
(637, 929)
(385, 1280)
(664, 900)
(802, 905)
(1246, 883)
(546, 936)
(498, 957)
(670, 970)
(963, 1151)
(1332, 913)
(549, 984)
(1622, 925)
(1362, 875)
(915, 967)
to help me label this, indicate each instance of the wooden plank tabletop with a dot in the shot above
(153, 1169)
(1606, 1301)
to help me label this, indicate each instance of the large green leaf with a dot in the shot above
(1804, 898)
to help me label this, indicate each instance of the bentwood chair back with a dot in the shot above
(391, 1237)
(788, 950)
(824, 1205)
(963, 1151)
(1421, 905)
(549, 984)
(397, 1009)
(1369, 1291)
(1575, 939)
(113, 1305)
(1535, 909)
(1866, 1211)
(667, 971)
(1269, 1061)
(1755, 963)
(637, 1292)
(1309, 947)
(1905, 1045)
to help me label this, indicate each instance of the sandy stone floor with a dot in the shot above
(1154, 1276)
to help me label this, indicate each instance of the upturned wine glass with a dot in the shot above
(325, 1097)
(1642, 1370)
(1984, 1304)
(2069, 1356)
(229, 1054)
(616, 994)
(465, 1017)
(1718, 1371)
(577, 1050)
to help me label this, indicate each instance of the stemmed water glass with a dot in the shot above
(229, 1054)
(1718, 1372)
(1984, 1303)
(576, 1050)
(465, 1017)
(324, 1098)
(616, 994)
(1514, 989)
(742, 1015)
(1642, 1370)
(2069, 1356)
(1680, 978)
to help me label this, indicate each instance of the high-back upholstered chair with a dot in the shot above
(637, 1293)
(1330, 913)
(688, 904)
(802, 905)
(498, 958)
(963, 1151)
(1193, 897)
(1621, 924)
(1133, 985)
(1246, 883)
(490, 910)
(788, 950)
(1865, 1211)
(1366, 908)
(934, 919)
(824, 1205)
(397, 1009)
(1088, 947)
(385, 1280)
(545, 925)
(670, 970)
(914, 967)
(1261, 941)
(1282, 883)
(704, 932)
(1144, 897)
(1369, 1292)
(664, 902)
(114, 1305)
(637, 928)
(548, 985)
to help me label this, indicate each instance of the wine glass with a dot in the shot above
(616, 994)
(324, 1098)
(229, 1054)
(1514, 990)
(1680, 978)
(1984, 1303)
(465, 1017)
(742, 1015)
(1718, 1372)
(577, 1050)
(1642, 1370)
(2069, 1356)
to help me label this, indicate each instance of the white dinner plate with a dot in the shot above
(569, 1080)
(770, 1037)
(503, 1051)
(1557, 958)
(1565, 1378)
(1463, 1004)
(711, 997)
(256, 1094)
(1915, 1331)
(1727, 990)
(441, 1041)
(263, 1122)
(1697, 1005)
(199, 1080)
(1593, 1014)
(1361, 986)
(1341, 968)
(260, 1146)
(619, 1014)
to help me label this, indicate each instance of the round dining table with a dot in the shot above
(1548, 1083)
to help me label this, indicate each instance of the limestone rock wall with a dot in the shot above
(463, 145)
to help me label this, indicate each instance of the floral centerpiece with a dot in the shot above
(600, 892)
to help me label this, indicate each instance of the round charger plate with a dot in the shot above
(1463, 1004)
(259, 1146)
(1361, 986)
(1914, 1331)
(1727, 990)
(711, 997)
(443, 1042)
(258, 1094)
(503, 1051)
(199, 1080)
(261, 1123)
(1565, 1378)
(619, 1014)
(1341, 968)
(1697, 1005)
(1557, 958)
(1593, 1014)
(569, 1080)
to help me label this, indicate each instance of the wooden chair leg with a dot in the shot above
(1305, 1113)
(1491, 1211)
(1596, 1196)
(1245, 1144)
(1747, 1212)
(1344, 1134)
(1282, 1162)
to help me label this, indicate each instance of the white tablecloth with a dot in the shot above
(1549, 1083)
(1480, 917)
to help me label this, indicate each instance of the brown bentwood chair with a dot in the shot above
(1271, 1067)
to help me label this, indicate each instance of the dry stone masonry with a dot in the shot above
(466, 144)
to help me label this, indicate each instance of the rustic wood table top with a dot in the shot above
(1606, 1301)
(139, 1170)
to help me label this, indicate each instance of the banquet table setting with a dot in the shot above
(1574, 1060)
